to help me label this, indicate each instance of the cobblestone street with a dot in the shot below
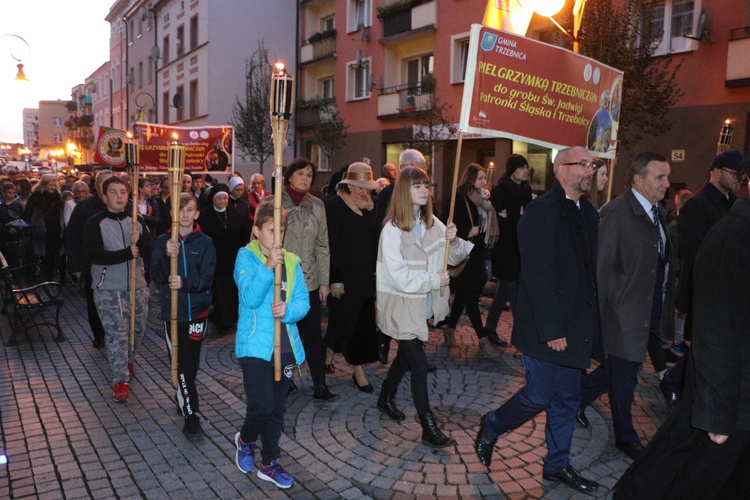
(64, 437)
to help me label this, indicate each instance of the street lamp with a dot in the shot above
(20, 76)
(142, 104)
(549, 8)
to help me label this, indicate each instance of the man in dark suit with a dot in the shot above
(636, 298)
(703, 448)
(556, 318)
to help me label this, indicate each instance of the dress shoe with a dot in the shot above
(672, 398)
(633, 450)
(570, 477)
(484, 444)
(581, 418)
(431, 368)
(322, 393)
(495, 340)
(364, 388)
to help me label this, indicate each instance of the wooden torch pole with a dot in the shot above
(176, 160)
(456, 166)
(282, 105)
(132, 162)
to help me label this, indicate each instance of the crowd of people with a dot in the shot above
(585, 279)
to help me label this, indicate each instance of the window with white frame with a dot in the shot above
(360, 14)
(419, 69)
(317, 155)
(669, 20)
(459, 58)
(327, 23)
(57, 139)
(57, 122)
(326, 88)
(359, 80)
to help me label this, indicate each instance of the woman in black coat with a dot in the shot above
(509, 199)
(471, 219)
(44, 212)
(225, 227)
(353, 233)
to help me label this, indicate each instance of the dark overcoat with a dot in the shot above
(626, 273)
(513, 198)
(465, 216)
(697, 217)
(557, 286)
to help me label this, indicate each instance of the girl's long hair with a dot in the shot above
(400, 210)
(469, 178)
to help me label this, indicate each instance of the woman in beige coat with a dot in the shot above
(409, 277)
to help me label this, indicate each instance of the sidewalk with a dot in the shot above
(64, 437)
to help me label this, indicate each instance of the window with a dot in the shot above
(140, 28)
(140, 73)
(327, 23)
(193, 32)
(193, 110)
(360, 12)
(316, 154)
(326, 88)
(57, 122)
(359, 80)
(459, 58)
(669, 20)
(165, 107)
(165, 52)
(180, 41)
(57, 139)
(181, 107)
(131, 33)
(150, 70)
(419, 69)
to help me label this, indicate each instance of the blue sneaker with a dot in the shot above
(276, 474)
(245, 455)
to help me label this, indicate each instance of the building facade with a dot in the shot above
(31, 128)
(53, 134)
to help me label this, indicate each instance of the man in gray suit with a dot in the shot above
(636, 293)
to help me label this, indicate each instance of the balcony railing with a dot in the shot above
(309, 113)
(319, 46)
(404, 99)
(406, 15)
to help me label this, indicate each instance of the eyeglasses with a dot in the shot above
(583, 163)
(739, 174)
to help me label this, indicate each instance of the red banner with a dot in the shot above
(110, 147)
(523, 89)
(208, 150)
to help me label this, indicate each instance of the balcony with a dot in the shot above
(320, 47)
(404, 17)
(405, 99)
(738, 53)
(309, 113)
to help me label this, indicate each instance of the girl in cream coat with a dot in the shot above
(409, 278)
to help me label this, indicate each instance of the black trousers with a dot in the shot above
(312, 339)
(410, 354)
(469, 300)
(266, 403)
(189, 341)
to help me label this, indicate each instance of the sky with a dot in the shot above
(68, 41)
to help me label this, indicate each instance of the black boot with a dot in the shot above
(384, 345)
(431, 433)
(484, 444)
(388, 405)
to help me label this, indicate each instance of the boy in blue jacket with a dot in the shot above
(266, 398)
(196, 266)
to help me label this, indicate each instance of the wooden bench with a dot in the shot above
(33, 303)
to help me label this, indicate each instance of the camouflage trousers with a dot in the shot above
(114, 310)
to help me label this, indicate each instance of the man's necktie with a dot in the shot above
(657, 225)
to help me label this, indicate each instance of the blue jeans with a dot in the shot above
(549, 387)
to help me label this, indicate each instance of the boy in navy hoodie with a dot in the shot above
(196, 266)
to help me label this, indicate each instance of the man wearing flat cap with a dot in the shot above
(697, 216)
